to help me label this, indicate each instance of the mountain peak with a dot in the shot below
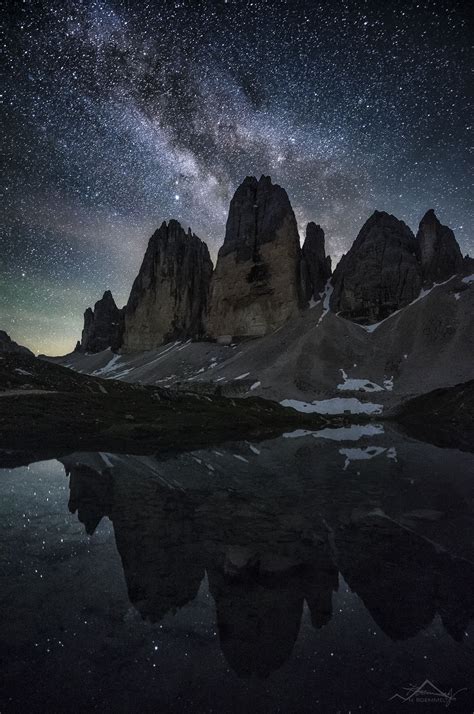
(440, 254)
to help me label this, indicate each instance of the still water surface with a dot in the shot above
(302, 574)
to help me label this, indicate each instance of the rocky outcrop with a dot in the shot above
(316, 265)
(256, 286)
(103, 326)
(170, 294)
(8, 345)
(381, 272)
(440, 254)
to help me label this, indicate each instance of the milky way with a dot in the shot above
(120, 115)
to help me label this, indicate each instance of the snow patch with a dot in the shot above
(326, 297)
(423, 293)
(355, 385)
(241, 376)
(254, 449)
(255, 385)
(468, 279)
(109, 367)
(240, 458)
(106, 460)
(337, 405)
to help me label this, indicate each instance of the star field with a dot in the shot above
(119, 115)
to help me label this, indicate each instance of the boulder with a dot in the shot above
(256, 286)
(170, 294)
(381, 272)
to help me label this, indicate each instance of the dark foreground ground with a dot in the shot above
(46, 408)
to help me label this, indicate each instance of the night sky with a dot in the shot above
(120, 115)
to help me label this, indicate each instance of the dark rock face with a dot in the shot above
(170, 294)
(440, 254)
(103, 326)
(317, 265)
(381, 272)
(256, 286)
(8, 345)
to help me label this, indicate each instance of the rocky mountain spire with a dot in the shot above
(317, 265)
(380, 273)
(256, 286)
(103, 326)
(170, 294)
(440, 254)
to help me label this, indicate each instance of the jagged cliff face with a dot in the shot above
(103, 326)
(387, 266)
(440, 254)
(316, 265)
(256, 286)
(381, 272)
(170, 294)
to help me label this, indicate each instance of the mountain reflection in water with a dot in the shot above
(273, 529)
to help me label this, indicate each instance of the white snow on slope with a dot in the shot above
(423, 293)
(468, 279)
(353, 385)
(326, 297)
(109, 367)
(241, 376)
(337, 405)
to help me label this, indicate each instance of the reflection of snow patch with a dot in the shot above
(343, 433)
(297, 433)
(360, 454)
(349, 433)
(337, 405)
